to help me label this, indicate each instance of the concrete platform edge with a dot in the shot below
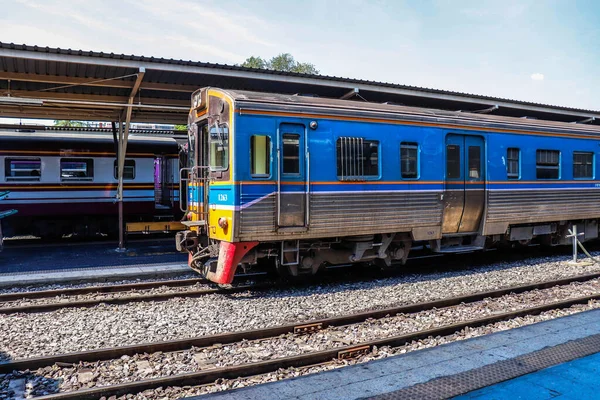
(404, 371)
(93, 274)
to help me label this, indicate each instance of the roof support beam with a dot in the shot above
(486, 110)
(47, 96)
(584, 121)
(350, 94)
(113, 83)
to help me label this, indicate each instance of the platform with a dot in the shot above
(502, 365)
(33, 256)
(105, 273)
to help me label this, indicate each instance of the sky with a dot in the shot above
(544, 51)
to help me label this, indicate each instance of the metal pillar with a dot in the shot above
(120, 185)
(574, 235)
(122, 147)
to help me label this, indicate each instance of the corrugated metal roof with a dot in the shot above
(183, 75)
(160, 60)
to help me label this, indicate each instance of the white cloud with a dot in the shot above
(537, 76)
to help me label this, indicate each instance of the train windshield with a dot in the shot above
(191, 147)
(219, 147)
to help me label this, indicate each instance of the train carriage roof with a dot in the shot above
(95, 139)
(314, 106)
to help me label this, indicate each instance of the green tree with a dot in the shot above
(180, 127)
(283, 62)
(255, 62)
(67, 123)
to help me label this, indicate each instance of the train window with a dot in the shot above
(474, 162)
(76, 169)
(452, 161)
(22, 169)
(128, 169)
(547, 164)
(583, 165)
(512, 163)
(357, 159)
(409, 153)
(260, 156)
(219, 148)
(291, 153)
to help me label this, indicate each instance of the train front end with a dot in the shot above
(209, 240)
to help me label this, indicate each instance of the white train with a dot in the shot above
(66, 182)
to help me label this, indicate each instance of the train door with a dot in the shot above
(464, 192)
(162, 187)
(291, 179)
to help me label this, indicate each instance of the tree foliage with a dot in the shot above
(284, 62)
(255, 62)
(67, 123)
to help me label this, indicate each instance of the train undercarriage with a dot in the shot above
(218, 261)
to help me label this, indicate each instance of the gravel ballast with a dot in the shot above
(142, 366)
(170, 393)
(78, 329)
(139, 367)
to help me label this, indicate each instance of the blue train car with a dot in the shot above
(300, 182)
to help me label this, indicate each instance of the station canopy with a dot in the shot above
(53, 83)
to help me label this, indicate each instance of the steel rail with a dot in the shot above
(99, 289)
(303, 360)
(113, 288)
(301, 327)
(44, 307)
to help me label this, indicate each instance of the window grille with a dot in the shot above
(547, 164)
(357, 159)
(512, 163)
(583, 165)
(409, 153)
(291, 153)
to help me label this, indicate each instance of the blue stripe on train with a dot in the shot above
(225, 195)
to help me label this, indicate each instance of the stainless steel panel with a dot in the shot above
(292, 208)
(260, 217)
(346, 214)
(453, 210)
(292, 150)
(473, 210)
(542, 205)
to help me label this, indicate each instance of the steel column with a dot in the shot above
(123, 138)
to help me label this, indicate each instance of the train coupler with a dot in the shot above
(186, 241)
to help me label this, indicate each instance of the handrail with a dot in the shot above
(181, 181)
(307, 205)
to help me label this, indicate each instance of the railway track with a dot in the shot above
(301, 360)
(63, 295)
(112, 289)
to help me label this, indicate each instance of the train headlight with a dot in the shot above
(223, 223)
